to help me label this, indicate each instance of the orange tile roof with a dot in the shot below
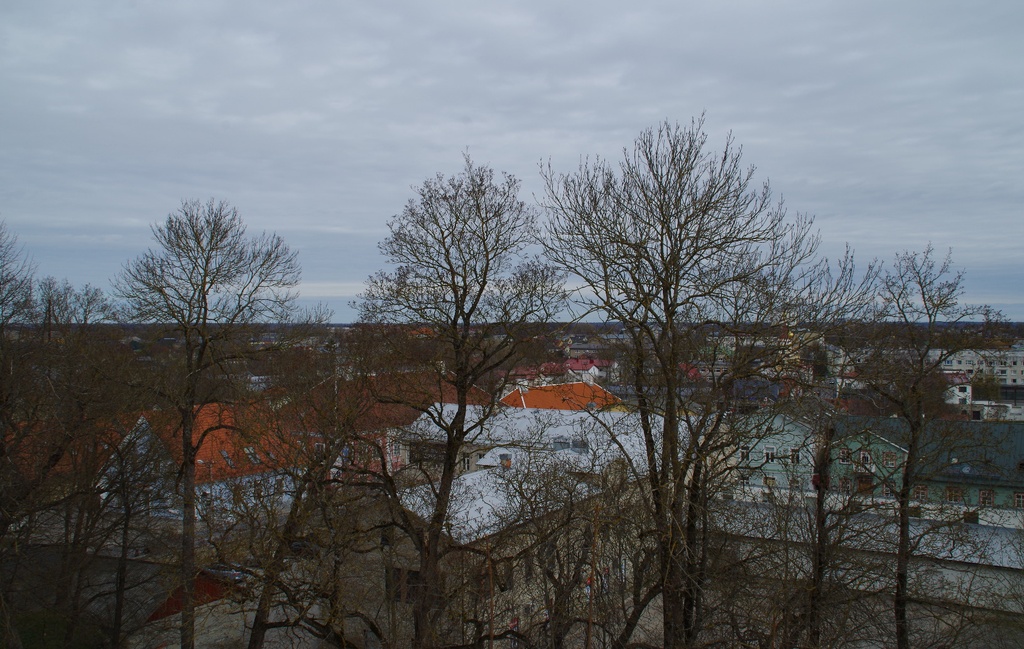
(53, 448)
(563, 396)
(234, 440)
(247, 439)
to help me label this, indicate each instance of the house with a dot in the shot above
(969, 464)
(525, 519)
(778, 453)
(542, 374)
(986, 410)
(514, 431)
(587, 349)
(868, 457)
(961, 395)
(969, 469)
(590, 369)
(959, 392)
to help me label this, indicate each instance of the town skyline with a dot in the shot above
(893, 126)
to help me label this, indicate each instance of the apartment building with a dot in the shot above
(1006, 365)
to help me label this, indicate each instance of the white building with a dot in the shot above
(1006, 365)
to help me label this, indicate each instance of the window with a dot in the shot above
(227, 458)
(889, 460)
(921, 492)
(1018, 499)
(744, 454)
(769, 481)
(865, 485)
(845, 486)
(404, 585)
(769, 453)
(504, 574)
(844, 456)
(744, 479)
(954, 494)
(465, 463)
(864, 457)
(986, 498)
(887, 490)
(254, 457)
(962, 389)
(794, 456)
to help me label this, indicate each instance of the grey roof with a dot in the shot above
(954, 450)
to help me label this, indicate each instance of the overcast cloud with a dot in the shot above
(895, 124)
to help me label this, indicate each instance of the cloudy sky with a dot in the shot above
(894, 123)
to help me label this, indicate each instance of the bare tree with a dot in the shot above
(79, 398)
(920, 324)
(706, 275)
(462, 278)
(574, 549)
(308, 519)
(798, 570)
(16, 274)
(209, 284)
(69, 364)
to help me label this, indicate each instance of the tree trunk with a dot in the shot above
(819, 559)
(122, 576)
(260, 622)
(428, 594)
(901, 595)
(188, 533)
(693, 553)
(673, 586)
(261, 618)
(11, 638)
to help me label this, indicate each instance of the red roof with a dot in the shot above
(692, 372)
(205, 589)
(563, 396)
(584, 363)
